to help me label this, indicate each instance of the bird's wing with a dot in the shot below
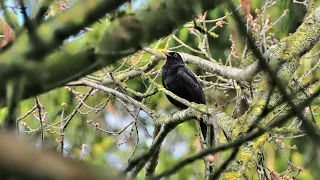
(163, 81)
(192, 84)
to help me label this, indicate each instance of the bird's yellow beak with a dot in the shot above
(166, 53)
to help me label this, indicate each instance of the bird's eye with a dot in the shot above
(175, 55)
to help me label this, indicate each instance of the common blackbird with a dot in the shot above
(181, 81)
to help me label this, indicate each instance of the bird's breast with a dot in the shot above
(170, 78)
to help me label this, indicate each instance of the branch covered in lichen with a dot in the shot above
(284, 59)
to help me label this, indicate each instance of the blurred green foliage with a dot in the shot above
(103, 149)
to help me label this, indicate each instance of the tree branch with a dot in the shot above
(20, 161)
(94, 50)
(237, 143)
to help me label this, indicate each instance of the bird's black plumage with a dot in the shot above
(180, 80)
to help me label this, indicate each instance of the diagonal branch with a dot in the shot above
(123, 97)
(127, 34)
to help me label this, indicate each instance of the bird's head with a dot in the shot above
(173, 57)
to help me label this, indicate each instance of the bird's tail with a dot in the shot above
(204, 130)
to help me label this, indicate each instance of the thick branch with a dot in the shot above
(52, 33)
(246, 74)
(101, 47)
(20, 161)
(238, 74)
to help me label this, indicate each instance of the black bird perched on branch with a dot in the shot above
(180, 80)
